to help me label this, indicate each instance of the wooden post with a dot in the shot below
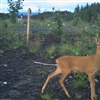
(28, 25)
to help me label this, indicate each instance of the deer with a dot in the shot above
(89, 65)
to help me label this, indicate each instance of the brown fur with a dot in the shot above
(86, 64)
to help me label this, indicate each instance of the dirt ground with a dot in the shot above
(21, 79)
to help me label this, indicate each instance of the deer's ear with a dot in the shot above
(95, 39)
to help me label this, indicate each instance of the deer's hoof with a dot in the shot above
(94, 97)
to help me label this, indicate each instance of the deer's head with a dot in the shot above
(97, 40)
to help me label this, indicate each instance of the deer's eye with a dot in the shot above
(98, 45)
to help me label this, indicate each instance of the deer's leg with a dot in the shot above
(56, 72)
(64, 75)
(92, 85)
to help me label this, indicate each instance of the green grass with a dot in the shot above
(15, 39)
(65, 49)
(78, 96)
(46, 96)
(51, 51)
(79, 84)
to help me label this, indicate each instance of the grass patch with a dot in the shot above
(65, 49)
(78, 96)
(79, 84)
(46, 96)
(51, 51)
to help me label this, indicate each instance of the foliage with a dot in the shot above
(81, 76)
(98, 26)
(4, 16)
(65, 49)
(35, 42)
(51, 51)
(46, 96)
(78, 84)
(78, 96)
(84, 45)
(14, 7)
(81, 48)
(33, 49)
(80, 81)
(75, 21)
(12, 40)
(70, 43)
(66, 15)
(78, 48)
(87, 13)
(3, 25)
(58, 27)
(1, 51)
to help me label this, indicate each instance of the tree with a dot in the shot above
(14, 7)
(39, 9)
(77, 9)
(53, 8)
(76, 15)
(58, 21)
(87, 13)
(98, 26)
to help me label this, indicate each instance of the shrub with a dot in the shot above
(65, 49)
(56, 25)
(84, 47)
(51, 51)
(12, 40)
(77, 50)
(34, 45)
(75, 21)
(5, 24)
(33, 49)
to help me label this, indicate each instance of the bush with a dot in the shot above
(12, 40)
(51, 51)
(77, 50)
(65, 49)
(56, 25)
(33, 49)
(84, 47)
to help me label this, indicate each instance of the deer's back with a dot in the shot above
(77, 63)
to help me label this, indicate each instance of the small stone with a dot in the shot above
(70, 77)
(5, 65)
(5, 83)
(96, 80)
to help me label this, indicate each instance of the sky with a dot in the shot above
(47, 5)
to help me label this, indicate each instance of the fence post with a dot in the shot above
(28, 25)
